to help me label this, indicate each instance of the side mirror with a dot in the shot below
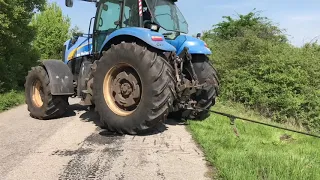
(69, 3)
(198, 35)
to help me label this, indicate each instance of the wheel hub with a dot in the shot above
(124, 89)
(37, 93)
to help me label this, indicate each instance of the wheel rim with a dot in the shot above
(37, 93)
(122, 89)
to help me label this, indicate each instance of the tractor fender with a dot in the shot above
(195, 46)
(142, 34)
(60, 76)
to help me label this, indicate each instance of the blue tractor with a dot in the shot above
(136, 69)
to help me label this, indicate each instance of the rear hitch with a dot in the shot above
(186, 56)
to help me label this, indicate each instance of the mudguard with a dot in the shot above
(143, 34)
(195, 46)
(61, 78)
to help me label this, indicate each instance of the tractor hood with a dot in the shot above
(78, 47)
(196, 46)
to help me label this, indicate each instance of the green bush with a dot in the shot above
(11, 99)
(260, 69)
(26, 35)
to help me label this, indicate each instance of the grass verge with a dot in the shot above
(260, 152)
(11, 99)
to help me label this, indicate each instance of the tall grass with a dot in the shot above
(260, 152)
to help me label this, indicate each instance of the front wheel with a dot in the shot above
(206, 73)
(132, 88)
(205, 97)
(41, 103)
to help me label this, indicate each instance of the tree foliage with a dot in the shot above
(29, 30)
(52, 29)
(264, 28)
(16, 35)
(75, 31)
(260, 69)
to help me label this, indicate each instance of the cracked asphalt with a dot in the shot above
(74, 147)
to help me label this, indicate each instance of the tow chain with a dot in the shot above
(233, 119)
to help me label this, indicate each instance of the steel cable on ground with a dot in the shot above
(233, 118)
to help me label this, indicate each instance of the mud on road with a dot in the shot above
(74, 147)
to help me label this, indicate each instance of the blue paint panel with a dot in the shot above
(82, 45)
(196, 46)
(143, 34)
(84, 50)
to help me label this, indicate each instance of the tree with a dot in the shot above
(261, 26)
(16, 53)
(52, 31)
(75, 31)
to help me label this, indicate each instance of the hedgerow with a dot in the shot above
(261, 69)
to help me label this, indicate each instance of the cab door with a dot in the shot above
(106, 21)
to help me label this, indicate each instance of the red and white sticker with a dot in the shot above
(140, 8)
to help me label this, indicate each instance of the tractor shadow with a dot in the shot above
(74, 109)
(91, 116)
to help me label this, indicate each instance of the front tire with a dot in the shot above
(205, 97)
(83, 74)
(132, 88)
(206, 73)
(41, 103)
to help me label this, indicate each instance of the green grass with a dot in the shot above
(258, 153)
(11, 99)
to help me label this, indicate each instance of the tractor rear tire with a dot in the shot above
(205, 97)
(41, 103)
(129, 70)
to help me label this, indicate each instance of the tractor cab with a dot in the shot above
(167, 15)
(157, 15)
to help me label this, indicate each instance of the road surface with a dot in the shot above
(74, 147)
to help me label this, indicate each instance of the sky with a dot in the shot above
(300, 18)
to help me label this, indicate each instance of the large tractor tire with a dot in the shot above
(205, 97)
(132, 88)
(41, 103)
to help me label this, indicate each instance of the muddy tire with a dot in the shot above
(41, 104)
(132, 88)
(205, 97)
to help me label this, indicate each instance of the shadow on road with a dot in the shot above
(91, 116)
(71, 111)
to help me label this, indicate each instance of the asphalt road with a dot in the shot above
(74, 147)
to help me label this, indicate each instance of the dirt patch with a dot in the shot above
(94, 164)
(103, 138)
(71, 153)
